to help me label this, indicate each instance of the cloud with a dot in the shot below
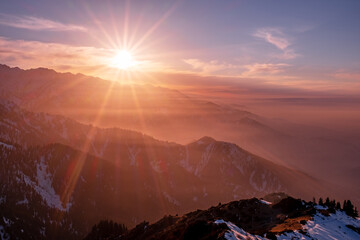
(216, 68)
(29, 54)
(347, 75)
(273, 36)
(63, 57)
(265, 68)
(35, 23)
(277, 38)
(209, 66)
(288, 54)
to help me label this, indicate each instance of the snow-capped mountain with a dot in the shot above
(219, 162)
(119, 174)
(169, 114)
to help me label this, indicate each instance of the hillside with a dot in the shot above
(119, 174)
(169, 114)
(254, 218)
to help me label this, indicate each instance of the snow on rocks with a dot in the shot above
(7, 145)
(43, 186)
(331, 227)
(171, 199)
(236, 233)
(133, 152)
(335, 226)
(265, 202)
(3, 234)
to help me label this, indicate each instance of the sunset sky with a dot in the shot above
(297, 44)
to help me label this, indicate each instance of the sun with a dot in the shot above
(123, 60)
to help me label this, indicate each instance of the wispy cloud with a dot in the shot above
(208, 67)
(217, 68)
(347, 75)
(288, 54)
(273, 36)
(35, 23)
(277, 38)
(265, 68)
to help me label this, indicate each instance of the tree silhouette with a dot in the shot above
(327, 202)
(106, 230)
(348, 208)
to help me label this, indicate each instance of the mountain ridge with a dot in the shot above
(287, 218)
(178, 177)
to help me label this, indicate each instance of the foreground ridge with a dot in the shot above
(284, 218)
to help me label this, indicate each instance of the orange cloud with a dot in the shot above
(264, 68)
(208, 67)
(63, 57)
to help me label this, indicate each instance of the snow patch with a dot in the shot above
(133, 152)
(102, 150)
(7, 222)
(251, 181)
(236, 233)
(83, 179)
(319, 207)
(323, 228)
(155, 164)
(185, 162)
(44, 187)
(171, 199)
(265, 202)
(3, 234)
(64, 133)
(320, 228)
(7, 145)
(205, 158)
(204, 192)
(25, 201)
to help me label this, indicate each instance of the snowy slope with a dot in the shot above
(321, 228)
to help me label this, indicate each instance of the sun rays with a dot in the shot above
(127, 56)
(123, 60)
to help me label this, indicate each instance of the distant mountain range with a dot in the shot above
(76, 150)
(170, 115)
(124, 175)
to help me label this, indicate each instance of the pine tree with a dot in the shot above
(327, 202)
(338, 206)
(321, 202)
(349, 208)
(333, 204)
(314, 200)
(356, 213)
